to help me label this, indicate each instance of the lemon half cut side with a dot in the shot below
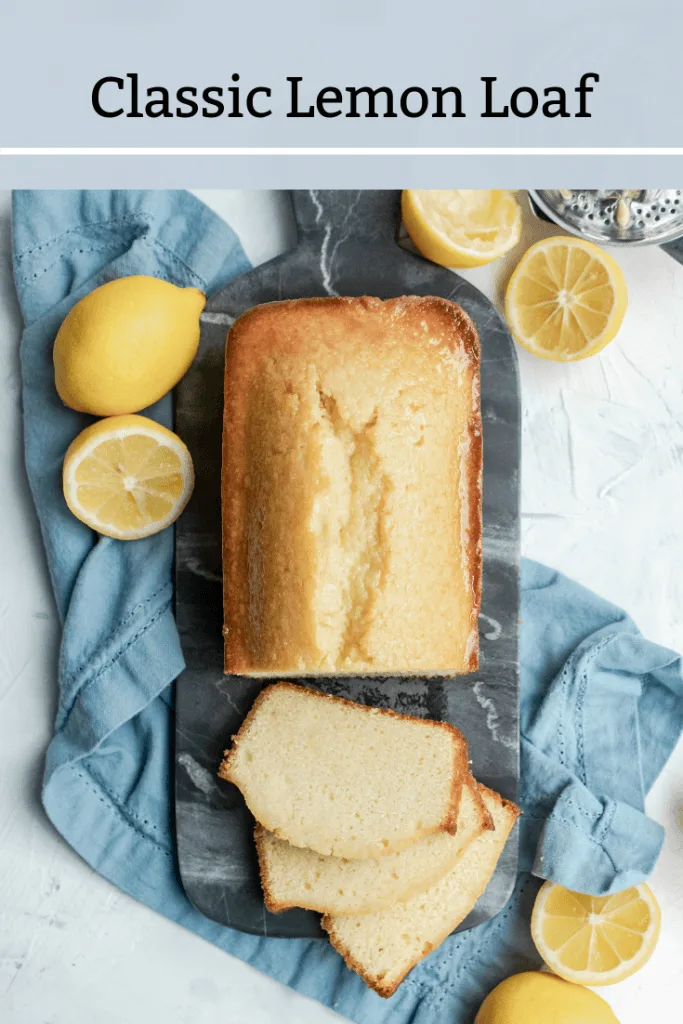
(566, 299)
(595, 940)
(127, 477)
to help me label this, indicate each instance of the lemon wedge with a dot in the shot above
(462, 227)
(595, 940)
(566, 299)
(127, 477)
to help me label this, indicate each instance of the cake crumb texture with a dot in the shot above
(345, 779)
(292, 876)
(385, 946)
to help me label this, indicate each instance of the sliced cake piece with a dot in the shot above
(295, 877)
(385, 946)
(345, 779)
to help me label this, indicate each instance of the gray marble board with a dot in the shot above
(347, 246)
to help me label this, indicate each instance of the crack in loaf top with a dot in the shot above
(352, 488)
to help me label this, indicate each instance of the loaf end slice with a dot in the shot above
(345, 779)
(383, 947)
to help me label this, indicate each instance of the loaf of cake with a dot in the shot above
(345, 779)
(351, 488)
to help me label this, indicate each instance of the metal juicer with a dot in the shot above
(645, 216)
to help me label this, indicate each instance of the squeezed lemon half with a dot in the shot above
(462, 227)
(595, 940)
(566, 299)
(127, 477)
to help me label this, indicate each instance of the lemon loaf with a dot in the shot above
(351, 488)
(295, 877)
(383, 947)
(344, 779)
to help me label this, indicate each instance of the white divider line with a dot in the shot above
(9, 151)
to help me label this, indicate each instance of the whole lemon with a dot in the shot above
(539, 998)
(126, 344)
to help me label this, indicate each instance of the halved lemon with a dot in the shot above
(595, 940)
(566, 299)
(462, 227)
(127, 477)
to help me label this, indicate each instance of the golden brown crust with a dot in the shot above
(475, 527)
(384, 990)
(507, 804)
(251, 340)
(485, 814)
(474, 475)
(271, 904)
(450, 822)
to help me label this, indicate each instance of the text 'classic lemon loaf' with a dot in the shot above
(383, 947)
(352, 488)
(344, 779)
(294, 877)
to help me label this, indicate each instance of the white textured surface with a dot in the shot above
(602, 500)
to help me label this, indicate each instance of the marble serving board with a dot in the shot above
(347, 246)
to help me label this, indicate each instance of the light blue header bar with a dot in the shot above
(303, 73)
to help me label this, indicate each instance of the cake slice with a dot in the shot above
(351, 488)
(383, 947)
(344, 779)
(292, 876)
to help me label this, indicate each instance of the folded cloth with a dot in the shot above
(602, 707)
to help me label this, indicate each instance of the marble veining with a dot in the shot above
(494, 628)
(200, 777)
(492, 717)
(325, 257)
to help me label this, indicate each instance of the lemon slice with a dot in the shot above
(566, 299)
(595, 940)
(127, 477)
(462, 227)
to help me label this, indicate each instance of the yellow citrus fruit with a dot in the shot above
(126, 344)
(566, 299)
(127, 477)
(538, 998)
(595, 940)
(462, 227)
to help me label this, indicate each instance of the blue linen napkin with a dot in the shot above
(602, 708)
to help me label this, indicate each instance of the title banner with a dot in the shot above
(113, 96)
(355, 74)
